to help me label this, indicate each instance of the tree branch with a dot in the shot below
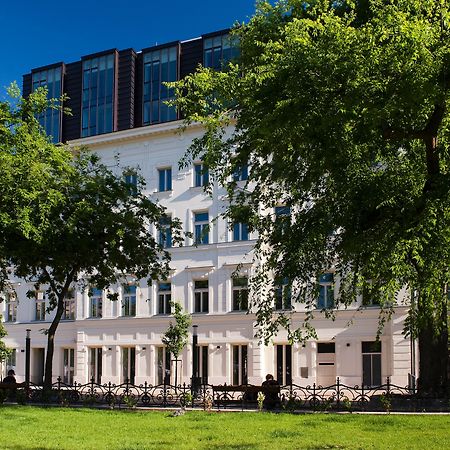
(391, 134)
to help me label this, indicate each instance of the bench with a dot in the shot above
(8, 390)
(12, 385)
(225, 395)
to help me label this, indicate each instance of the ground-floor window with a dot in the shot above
(283, 354)
(95, 364)
(240, 364)
(128, 364)
(202, 358)
(162, 366)
(68, 365)
(371, 360)
(10, 363)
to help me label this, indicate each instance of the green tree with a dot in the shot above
(176, 336)
(67, 220)
(341, 110)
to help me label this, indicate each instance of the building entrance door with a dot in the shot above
(326, 364)
(38, 360)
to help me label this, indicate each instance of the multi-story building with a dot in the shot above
(118, 111)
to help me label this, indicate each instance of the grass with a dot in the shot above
(26, 427)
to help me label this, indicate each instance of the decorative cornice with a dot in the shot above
(132, 134)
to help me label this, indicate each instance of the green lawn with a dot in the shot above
(23, 427)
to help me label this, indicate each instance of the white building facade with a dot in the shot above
(117, 341)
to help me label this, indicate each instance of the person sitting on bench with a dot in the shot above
(271, 400)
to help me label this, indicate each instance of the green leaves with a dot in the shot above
(341, 111)
(176, 336)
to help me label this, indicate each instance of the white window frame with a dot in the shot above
(129, 301)
(236, 291)
(202, 293)
(68, 365)
(372, 355)
(128, 363)
(201, 176)
(164, 295)
(166, 172)
(10, 307)
(201, 238)
(328, 287)
(284, 377)
(163, 367)
(95, 364)
(239, 377)
(40, 307)
(69, 306)
(96, 303)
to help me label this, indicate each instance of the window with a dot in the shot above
(241, 173)
(40, 305)
(96, 303)
(11, 307)
(371, 360)
(164, 298)
(165, 179)
(130, 179)
(240, 370)
(160, 66)
(98, 95)
(284, 363)
(201, 228)
(128, 364)
(367, 297)
(165, 232)
(202, 358)
(283, 294)
(326, 347)
(68, 365)
(129, 301)
(69, 306)
(50, 119)
(326, 291)
(95, 364)
(282, 219)
(282, 211)
(163, 371)
(201, 175)
(240, 294)
(201, 298)
(240, 231)
(11, 360)
(219, 50)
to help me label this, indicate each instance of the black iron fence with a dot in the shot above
(292, 397)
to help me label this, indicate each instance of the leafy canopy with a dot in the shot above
(66, 219)
(176, 336)
(341, 111)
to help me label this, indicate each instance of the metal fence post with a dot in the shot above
(338, 393)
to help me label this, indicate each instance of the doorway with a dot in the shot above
(326, 364)
(38, 361)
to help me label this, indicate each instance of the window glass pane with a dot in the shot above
(288, 352)
(371, 347)
(98, 94)
(235, 364)
(376, 370)
(326, 347)
(367, 370)
(199, 217)
(279, 351)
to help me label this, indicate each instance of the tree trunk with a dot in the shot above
(433, 357)
(48, 374)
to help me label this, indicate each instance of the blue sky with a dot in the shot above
(35, 33)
